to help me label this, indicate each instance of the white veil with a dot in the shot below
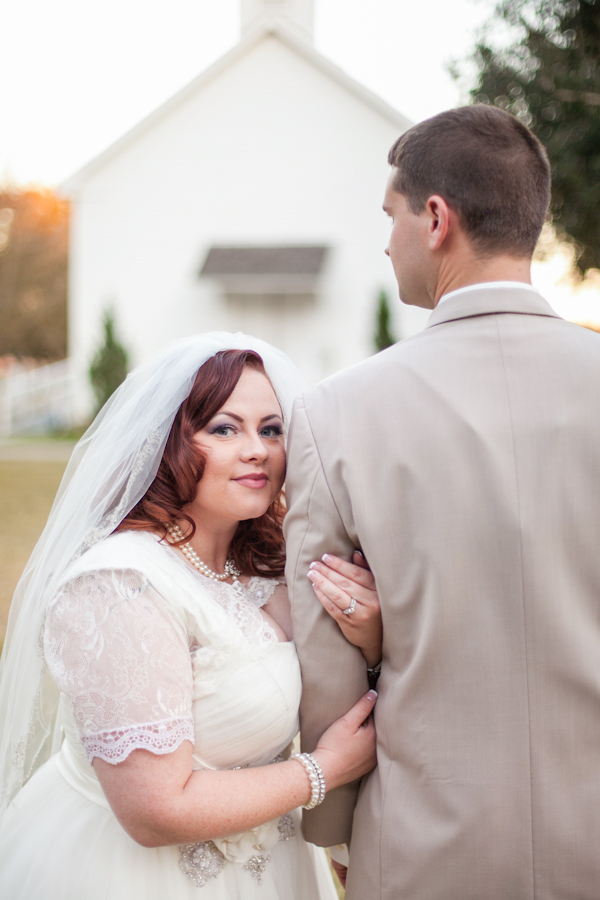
(110, 470)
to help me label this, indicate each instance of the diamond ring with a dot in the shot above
(351, 608)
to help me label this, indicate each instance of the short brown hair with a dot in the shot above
(257, 547)
(487, 165)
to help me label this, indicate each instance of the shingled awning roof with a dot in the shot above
(263, 261)
(248, 270)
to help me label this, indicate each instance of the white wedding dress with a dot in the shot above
(148, 653)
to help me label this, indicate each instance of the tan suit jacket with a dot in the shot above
(465, 462)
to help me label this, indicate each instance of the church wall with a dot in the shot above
(272, 151)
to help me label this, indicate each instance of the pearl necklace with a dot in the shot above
(230, 568)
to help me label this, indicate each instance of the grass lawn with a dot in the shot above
(27, 490)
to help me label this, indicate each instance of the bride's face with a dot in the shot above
(245, 454)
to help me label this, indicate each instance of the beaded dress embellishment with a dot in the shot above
(287, 829)
(204, 860)
(201, 862)
(256, 865)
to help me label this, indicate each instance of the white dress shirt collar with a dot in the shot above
(488, 285)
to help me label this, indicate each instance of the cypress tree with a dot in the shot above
(109, 366)
(383, 334)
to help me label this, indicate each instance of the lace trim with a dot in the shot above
(241, 601)
(158, 737)
(242, 606)
(260, 590)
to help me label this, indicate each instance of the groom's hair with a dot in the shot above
(488, 167)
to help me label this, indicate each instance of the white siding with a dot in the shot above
(272, 151)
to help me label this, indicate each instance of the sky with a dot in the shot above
(75, 75)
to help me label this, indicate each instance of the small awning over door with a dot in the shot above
(265, 270)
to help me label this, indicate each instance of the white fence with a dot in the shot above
(38, 400)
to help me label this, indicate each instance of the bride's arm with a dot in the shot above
(160, 801)
(337, 583)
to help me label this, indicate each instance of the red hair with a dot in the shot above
(257, 547)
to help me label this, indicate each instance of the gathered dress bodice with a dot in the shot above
(252, 716)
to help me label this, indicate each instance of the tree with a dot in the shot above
(109, 366)
(549, 76)
(383, 335)
(33, 273)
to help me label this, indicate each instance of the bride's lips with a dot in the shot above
(253, 481)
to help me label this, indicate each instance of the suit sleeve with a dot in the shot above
(334, 674)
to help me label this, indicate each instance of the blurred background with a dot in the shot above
(173, 168)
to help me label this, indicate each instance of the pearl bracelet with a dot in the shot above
(316, 777)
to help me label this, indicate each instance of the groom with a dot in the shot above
(465, 463)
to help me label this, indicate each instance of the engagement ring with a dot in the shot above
(351, 608)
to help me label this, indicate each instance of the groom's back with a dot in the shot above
(466, 464)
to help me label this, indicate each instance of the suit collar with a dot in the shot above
(485, 301)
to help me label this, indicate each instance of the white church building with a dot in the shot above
(250, 201)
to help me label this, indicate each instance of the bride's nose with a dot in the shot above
(254, 448)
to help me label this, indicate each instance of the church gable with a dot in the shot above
(296, 15)
(266, 43)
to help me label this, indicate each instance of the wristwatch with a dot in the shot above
(373, 674)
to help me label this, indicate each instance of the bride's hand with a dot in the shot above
(336, 583)
(347, 750)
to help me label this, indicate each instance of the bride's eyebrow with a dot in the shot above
(223, 412)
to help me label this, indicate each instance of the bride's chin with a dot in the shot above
(254, 510)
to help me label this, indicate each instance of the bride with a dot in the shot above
(150, 685)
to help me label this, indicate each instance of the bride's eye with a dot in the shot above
(271, 431)
(223, 430)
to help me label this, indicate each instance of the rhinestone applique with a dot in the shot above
(204, 860)
(256, 865)
(287, 829)
(201, 862)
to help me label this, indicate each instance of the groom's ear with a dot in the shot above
(440, 221)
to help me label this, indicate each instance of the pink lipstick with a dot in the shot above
(256, 481)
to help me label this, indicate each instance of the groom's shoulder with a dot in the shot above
(369, 375)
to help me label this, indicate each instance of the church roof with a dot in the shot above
(303, 48)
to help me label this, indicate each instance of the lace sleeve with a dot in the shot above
(114, 646)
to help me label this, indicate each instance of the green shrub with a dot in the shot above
(109, 366)
(383, 334)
